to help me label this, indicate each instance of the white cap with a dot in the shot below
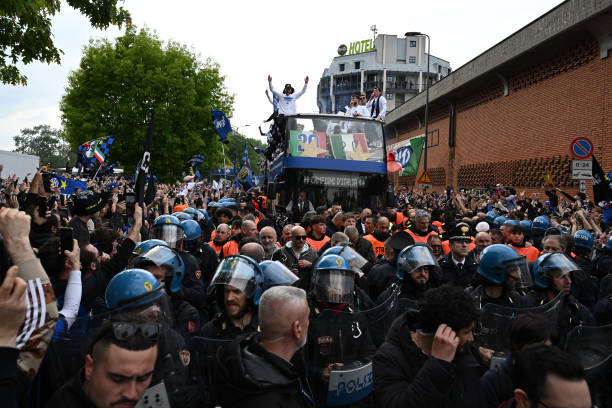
(482, 226)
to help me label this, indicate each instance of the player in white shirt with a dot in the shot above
(286, 100)
(377, 105)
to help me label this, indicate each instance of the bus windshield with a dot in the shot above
(339, 137)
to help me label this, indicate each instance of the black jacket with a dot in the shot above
(71, 395)
(364, 248)
(250, 376)
(406, 377)
(222, 328)
(381, 276)
(450, 272)
(287, 257)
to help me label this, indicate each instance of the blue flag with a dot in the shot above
(68, 186)
(222, 125)
(95, 150)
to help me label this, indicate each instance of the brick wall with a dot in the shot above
(514, 139)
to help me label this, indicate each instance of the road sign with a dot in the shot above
(582, 169)
(581, 148)
(583, 186)
(425, 186)
(425, 178)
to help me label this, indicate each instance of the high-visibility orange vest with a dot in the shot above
(418, 238)
(531, 253)
(446, 246)
(230, 248)
(317, 245)
(216, 247)
(377, 246)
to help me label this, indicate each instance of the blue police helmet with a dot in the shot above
(511, 222)
(144, 246)
(413, 257)
(354, 259)
(195, 214)
(276, 274)
(131, 288)
(168, 261)
(333, 280)
(213, 204)
(333, 261)
(540, 223)
(583, 239)
(241, 272)
(552, 266)
(182, 216)
(526, 224)
(168, 228)
(499, 221)
(192, 229)
(495, 260)
(609, 243)
(491, 216)
(204, 213)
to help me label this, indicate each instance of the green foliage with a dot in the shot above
(235, 150)
(117, 86)
(44, 142)
(25, 31)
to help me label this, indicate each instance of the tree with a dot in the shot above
(234, 150)
(25, 31)
(44, 142)
(118, 85)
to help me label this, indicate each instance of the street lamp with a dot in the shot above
(415, 34)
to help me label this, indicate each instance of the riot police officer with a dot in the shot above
(338, 335)
(501, 271)
(237, 286)
(139, 291)
(168, 228)
(168, 267)
(552, 276)
(206, 256)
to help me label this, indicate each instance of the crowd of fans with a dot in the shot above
(210, 296)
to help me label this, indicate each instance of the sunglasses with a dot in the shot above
(299, 237)
(125, 331)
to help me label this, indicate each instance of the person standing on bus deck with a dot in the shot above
(300, 207)
(286, 100)
(377, 105)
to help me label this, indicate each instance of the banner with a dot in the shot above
(222, 125)
(601, 185)
(408, 153)
(352, 146)
(68, 186)
(303, 144)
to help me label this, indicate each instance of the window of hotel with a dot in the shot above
(411, 60)
(389, 96)
(412, 43)
(357, 64)
(389, 79)
(341, 67)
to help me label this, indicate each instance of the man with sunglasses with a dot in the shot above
(298, 256)
(118, 367)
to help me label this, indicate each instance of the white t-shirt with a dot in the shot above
(286, 103)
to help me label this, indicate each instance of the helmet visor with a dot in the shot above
(170, 234)
(354, 259)
(334, 286)
(416, 257)
(557, 266)
(517, 273)
(277, 274)
(237, 272)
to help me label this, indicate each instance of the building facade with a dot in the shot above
(398, 66)
(509, 115)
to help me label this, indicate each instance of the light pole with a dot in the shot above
(414, 34)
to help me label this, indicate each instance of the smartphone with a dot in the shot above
(46, 182)
(63, 212)
(41, 203)
(66, 240)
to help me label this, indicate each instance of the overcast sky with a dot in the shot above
(251, 39)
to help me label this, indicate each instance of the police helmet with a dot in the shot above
(491, 216)
(583, 239)
(195, 214)
(182, 216)
(541, 223)
(499, 221)
(552, 266)
(204, 213)
(241, 272)
(192, 230)
(526, 224)
(498, 260)
(354, 259)
(511, 223)
(144, 246)
(170, 263)
(609, 243)
(131, 288)
(168, 228)
(276, 274)
(333, 280)
(414, 257)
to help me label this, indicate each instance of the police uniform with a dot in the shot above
(222, 327)
(193, 288)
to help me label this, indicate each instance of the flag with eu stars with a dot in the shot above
(69, 186)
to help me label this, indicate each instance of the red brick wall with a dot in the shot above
(549, 105)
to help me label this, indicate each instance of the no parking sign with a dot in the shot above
(581, 148)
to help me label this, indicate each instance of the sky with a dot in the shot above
(251, 39)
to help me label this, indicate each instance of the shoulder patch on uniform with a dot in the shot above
(198, 274)
(191, 326)
(185, 356)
